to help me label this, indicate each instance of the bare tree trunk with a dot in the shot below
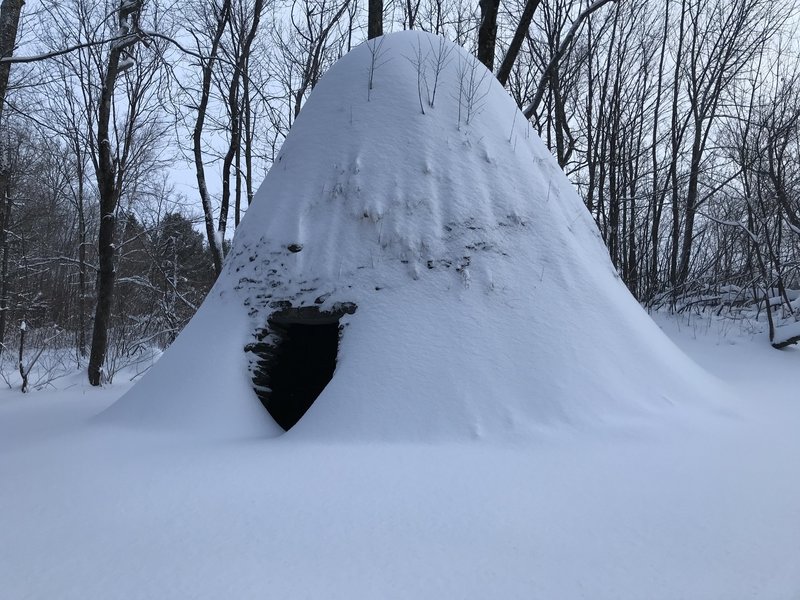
(237, 169)
(82, 270)
(5, 218)
(613, 192)
(676, 138)
(690, 204)
(197, 137)
(516, 42)
(10, 11)
(107, 178)
(249, 123)
(22, 330)
(591, 131)
(236, 121)
(657, 198)
(411, 10)
(487, 32)
(375, 19)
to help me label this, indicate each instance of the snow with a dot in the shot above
(657, 512)
(487, 305)
(508, 426)
(787, 331)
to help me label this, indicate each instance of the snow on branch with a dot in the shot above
(789, 335)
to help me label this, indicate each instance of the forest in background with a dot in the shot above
(676, 120)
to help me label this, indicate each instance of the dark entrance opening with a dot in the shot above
(295, 358)
(304, 361)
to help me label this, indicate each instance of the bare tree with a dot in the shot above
(552, 66)
(109, 170)
(243, 27)
(487, 32)
(515, 46)
(375, 19)
(10, 11)
(220, 18)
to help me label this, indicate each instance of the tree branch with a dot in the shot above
(562, 49)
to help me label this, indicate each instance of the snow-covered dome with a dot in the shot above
(413, 214)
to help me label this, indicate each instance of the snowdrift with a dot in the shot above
(414, 205)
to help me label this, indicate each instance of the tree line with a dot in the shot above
(677, 120)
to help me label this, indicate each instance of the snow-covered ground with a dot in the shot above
(703, 510)
(504, 420)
